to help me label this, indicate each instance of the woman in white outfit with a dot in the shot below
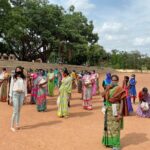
(18, 91)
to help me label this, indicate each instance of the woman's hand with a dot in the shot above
(119, 117)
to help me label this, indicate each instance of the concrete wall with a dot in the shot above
(10, 64)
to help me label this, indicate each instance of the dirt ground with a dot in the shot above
(83, 130)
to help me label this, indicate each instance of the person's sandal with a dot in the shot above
(12, 129)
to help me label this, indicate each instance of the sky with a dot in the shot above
(120, 24)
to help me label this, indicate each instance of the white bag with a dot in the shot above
(114, 110)
(144, 106)
(42, 81)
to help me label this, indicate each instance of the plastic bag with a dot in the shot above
(144, 106)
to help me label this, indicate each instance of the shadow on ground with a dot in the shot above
(40, 124)
(134, 139)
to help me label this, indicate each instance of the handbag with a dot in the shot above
(144, 106)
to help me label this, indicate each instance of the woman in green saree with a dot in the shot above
(64, 94)
(115, 106)
(51, 84)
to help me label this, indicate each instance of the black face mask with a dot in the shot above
(19, 72)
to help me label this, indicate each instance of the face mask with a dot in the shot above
(18, 72)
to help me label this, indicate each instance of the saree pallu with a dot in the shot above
(111, 137)
(51, 86)
(3, 92)
(41, 99)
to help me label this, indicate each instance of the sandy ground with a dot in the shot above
(81, 131)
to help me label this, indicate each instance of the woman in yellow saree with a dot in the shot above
(64, 94)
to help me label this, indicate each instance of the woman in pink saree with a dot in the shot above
(87, 91)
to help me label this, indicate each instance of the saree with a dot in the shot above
(4, 88)
(56, 77)
(94, 86)
(34, 91)
(41, 96)
(128, 97)
(87, 92)
(112, 127)
(51, 84)
(65, 91)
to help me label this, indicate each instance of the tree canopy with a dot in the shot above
(32, 29)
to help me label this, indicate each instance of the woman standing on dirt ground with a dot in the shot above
(18, 92)
(113, 122)
(4, 85)
(64, 94)
(133, 87)
(144, 97)
(126, 87)
(87, 91)
(41, 102)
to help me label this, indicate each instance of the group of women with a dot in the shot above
(117, 99)
(39, 85)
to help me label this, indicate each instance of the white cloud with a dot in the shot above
(114, 37)
(109, 37)
(141, 41)
(111, 27)
(80, 5)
